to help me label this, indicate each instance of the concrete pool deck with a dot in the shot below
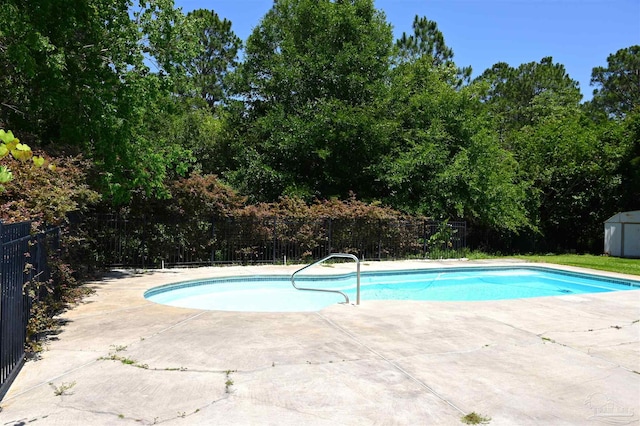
(122, 360)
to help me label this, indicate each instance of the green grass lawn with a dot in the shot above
(603, 263)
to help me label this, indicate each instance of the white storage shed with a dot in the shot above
(622, 235)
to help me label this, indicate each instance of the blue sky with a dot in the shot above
(579, 34)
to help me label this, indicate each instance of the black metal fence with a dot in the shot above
(23, 262)
(144, 242)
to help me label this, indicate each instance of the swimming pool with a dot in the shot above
(274, 293)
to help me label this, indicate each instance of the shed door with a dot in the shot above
(631, 234)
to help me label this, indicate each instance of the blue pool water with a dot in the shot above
(275, 293)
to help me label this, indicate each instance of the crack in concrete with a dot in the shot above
(587, 352)
(66, 373)
(179, 323)
(50, 380)
(393, 364)
(615, 327)
(568, 346)
(141, 420)
(107, 313)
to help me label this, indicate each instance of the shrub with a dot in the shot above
(44, 189)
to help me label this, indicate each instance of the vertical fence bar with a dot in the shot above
(275, 238)
(424, 238)
(379, 242)
(2, 297)
(144, 240)
(213, 240)
(14, 305)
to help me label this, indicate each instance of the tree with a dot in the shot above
(428, 41)
(74, 74)
(572, 166)
(58, 60)
(629, 166)
(218, 55)
(311, 80)
(616, 109)
(618, 85)
(446, 161)
(568, 163)
(517, 96)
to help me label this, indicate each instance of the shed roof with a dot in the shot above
(625, 217)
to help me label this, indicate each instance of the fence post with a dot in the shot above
(144, 239)
(379, 239)
(1, 252)
(213, 240)
(464, 234)
(329, 235)
(275, 238)
(1, 298)
(424, 238)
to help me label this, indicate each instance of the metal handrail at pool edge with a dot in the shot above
(332, 255)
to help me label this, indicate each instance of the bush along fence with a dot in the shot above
(23, 265)
(143, 242)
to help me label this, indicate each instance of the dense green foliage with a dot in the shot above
(217, 55)
(619, 83)
(73, 74)
(445, 160)
(323, 104)
(313, 76)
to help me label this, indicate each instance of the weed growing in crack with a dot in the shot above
(474, 418)
(229, 383)
(124, 360)
(63, 388)
(127, 361)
